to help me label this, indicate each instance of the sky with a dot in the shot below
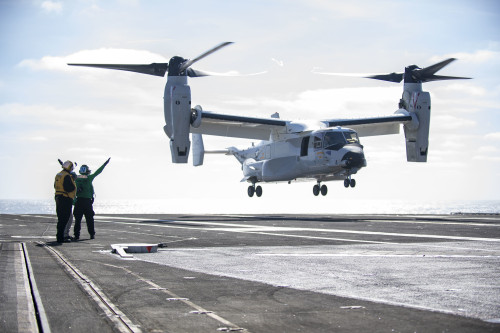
(49, 110)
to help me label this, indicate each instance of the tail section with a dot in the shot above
(199, 150)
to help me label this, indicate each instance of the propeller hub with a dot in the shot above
(412, 74)
(175, 65)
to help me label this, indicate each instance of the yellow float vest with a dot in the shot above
(58, 185)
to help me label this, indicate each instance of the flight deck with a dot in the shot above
(253, 273)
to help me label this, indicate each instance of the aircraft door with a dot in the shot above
(304, 146)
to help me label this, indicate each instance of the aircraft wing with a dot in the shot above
(238, 127)
(372, 126)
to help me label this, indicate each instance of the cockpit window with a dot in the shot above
(333, 140)
(336, 140)
(351, 137)
(317, 142)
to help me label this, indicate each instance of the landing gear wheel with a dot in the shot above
(324, 190)
(316, 190)
(251, 190)
(346, 183)
(258, 191)
(353, 182)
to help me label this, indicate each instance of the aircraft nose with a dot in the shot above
(353, 159)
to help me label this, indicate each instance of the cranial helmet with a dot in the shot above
(68, 166)
(84, 169)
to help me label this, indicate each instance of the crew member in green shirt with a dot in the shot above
(85, 199)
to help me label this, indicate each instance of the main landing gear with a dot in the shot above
(320, 188)
(252, 189)
(349, 182)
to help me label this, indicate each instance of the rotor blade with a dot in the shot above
(441, 78)
(188, 63)
(157, 69)
(393, 77)
(197, 73)
(427, 74)
(430, 70)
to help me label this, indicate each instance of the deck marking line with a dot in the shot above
(42, 315)
(113, 313)
(26, 316)
(174, 296)
(240, 229)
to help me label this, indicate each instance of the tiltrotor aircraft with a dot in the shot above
(290, 150)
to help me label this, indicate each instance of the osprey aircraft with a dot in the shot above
(290, 150)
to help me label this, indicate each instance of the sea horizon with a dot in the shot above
(180, 206)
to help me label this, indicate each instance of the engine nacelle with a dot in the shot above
(417, 137)
(177, 111)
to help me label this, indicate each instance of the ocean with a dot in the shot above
(179, 206)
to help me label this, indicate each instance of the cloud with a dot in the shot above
(52, 7)
(86, 150)
(449, 122)
(487, 158)
(478, 57)
(461, 89)
(493, 136)
(37, 138)
(327, 103)
(102, 56)
(488, 149)
(348, 9)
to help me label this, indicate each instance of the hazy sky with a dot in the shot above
(49, 110)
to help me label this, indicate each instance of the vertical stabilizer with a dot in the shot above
(198, 149)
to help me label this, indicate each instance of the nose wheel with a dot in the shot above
(252, 189)
(318, 188)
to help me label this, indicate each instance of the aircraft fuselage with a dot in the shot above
(327, 154)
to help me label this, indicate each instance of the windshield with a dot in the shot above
(333, 140)
(351, 137)
(336, 140)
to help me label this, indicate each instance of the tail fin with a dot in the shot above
(198, 149)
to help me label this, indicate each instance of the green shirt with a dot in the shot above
(84, 183)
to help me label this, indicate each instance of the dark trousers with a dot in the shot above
(63, 210)
(83, 206)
